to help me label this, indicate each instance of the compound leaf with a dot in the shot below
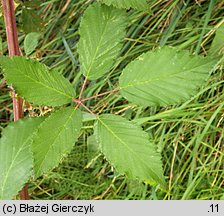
(127, 4)
(164, 76)
(15, 156)
(55, 138)
(127, 148)
(101, 31)
(35, 82)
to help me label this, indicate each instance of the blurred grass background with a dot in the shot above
(190, 136)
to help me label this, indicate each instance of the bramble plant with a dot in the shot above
(160, 77)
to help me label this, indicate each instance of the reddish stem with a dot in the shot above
(10, 23)
(101, 94)
(23, 194)
(85, 107)
(83, 87)
(79, 102)
(13, 48)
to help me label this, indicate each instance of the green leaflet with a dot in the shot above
(55, 138)
(217, 47)
(31, 42)
(92, 144)
(101, 31)
(128, 149)
(35, 82)
(164, 76)
(127, 4)
(15, 156)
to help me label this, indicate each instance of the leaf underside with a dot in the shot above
(55, 138)
(127, 4)
(35, 82)
(164, 76)
(102, 30)
(15, 156)
(127, 148)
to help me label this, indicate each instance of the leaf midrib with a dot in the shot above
(49, 87)
(119, 139)
(41, 83)
(97, 48)
(159, 78)
(13, 161)
(50, 146)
